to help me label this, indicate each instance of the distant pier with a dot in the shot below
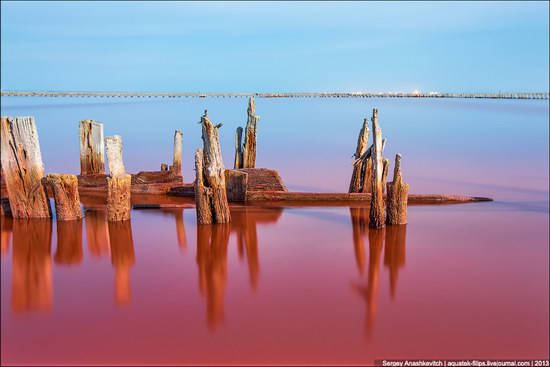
(280, 95)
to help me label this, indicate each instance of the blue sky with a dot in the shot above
(275, 46)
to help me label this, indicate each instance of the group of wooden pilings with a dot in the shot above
(23, 172)
(370, 171)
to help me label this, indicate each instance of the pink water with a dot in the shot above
(292, 285)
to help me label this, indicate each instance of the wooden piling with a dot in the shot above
(92, 148)
(397, 196)
(238, 162)
(176, 162)
(377, 217)
(119, 182)
(357, 177)
(65, 192)
(249, 146)
(203, 194)
(214, 171)
(22, 168)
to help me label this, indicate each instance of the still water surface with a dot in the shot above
(291, 285)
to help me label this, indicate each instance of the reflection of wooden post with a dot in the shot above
(22, 168)
(65, 193)
(238, 163)
(359, 223)
(122, 258)
(5, 208)
(377, 218)
(97, 232)
(213, 173)
(119, 183)
(91, 148)
(180, 230)
(358, 175)
(249, 146)
(178, 143)
(398, 193)
(394, 253)
(69, 242)
(6, 229)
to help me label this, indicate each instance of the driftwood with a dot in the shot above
(397, 193)
(176, 161)
(118, 184)
(92, 148)
(377, 218)
(213, 172)
(245, 154)
(22, 168)
(358, 175)
(65, 193)
(238, 162)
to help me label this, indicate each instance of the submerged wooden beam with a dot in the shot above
(92, 148)
(119, 182)
(397, 193)
(22, 168)
(377, 218)
(66, 197)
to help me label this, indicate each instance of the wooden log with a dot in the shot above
(22, 168)
(214, 171)
(65, 192)
(357, 176)
(91, 148)
(377, 218)
(397, 196)
(236, 183)
(119, 184)
(238, 162)
(176, 162)
(202, 194)
(249, 146)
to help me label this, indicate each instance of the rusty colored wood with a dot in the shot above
(119, 184)
(377, 218)
(202, 194)
(357, 176)
(155, 177)
(163, 206)
(5, 209)
(385, 169)
(236, 183)
(22, 168)
(249, 145)
(66, 197)
(164, 167)
(156, 182)
(397, 196)
(92, 148)
(176, 161)
(263, 179)
(213, 171)
(238, 161)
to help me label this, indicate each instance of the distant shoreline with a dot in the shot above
(523, 95)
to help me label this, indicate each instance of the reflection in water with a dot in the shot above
(180, 230)
(122, 258)
(212, 242)
(69, 242)
(32, 270)
(394, 258)
(97, 231)
(6, 228)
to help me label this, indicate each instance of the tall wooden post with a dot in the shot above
(398, 193)
(22, 168)
(249, 146)
(238, 163)
(203, 194)
(119, 182)
(65, 193)
(91, 148)
(357, 177)
(176, 163)
(377, 217)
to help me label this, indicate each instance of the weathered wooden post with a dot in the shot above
(249, 146)
(238, 163)
(65, 193)
(385, 169)
(377, 217)
(398, 193)
(92, 148)
(176, 162)
(212, 177)
(119, 182)
(357, 177)
(22, 168)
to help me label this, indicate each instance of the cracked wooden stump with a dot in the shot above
(22, 168)
(119, 182)
(397, 196)
(210, 194)
(245, 154)
(377, 217)
(66, 197)
(92, 148)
